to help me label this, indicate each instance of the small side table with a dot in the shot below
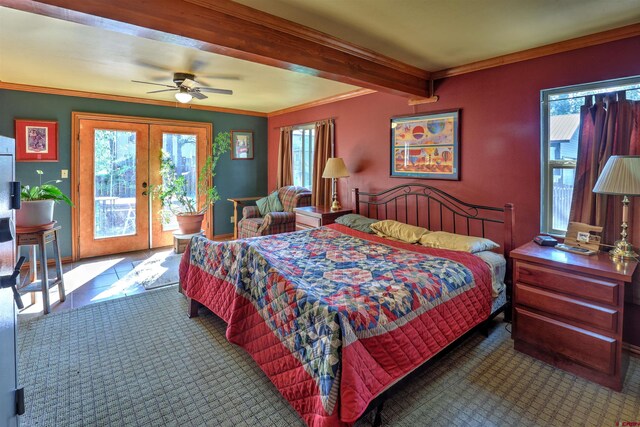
(316, 216)
(39, 237)
(180, 241)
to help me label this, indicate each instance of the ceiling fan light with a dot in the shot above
(183, 97)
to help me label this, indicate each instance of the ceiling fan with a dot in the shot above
(187, 88)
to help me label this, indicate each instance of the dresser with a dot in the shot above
(568, 311)
(316, 216)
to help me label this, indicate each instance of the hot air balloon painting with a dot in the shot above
(426, 146)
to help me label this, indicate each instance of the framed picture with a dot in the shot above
(36, 141)
(241, 145)
(426, 146)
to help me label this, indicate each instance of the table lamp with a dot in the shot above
(621, 177)
(334, 169)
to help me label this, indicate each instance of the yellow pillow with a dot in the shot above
(457, 242)
(395, 230)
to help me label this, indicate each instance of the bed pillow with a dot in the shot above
(457, 242)
(398, 231)
(357, 222)
(268, 204)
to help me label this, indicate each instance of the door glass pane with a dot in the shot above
(181, 149)
(114, 183)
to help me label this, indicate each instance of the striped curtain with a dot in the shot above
(323, 149)
(285, 164)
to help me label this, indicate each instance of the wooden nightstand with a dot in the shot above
(316, 216)
(568, 311)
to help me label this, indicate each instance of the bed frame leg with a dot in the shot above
(192, 307)
(484, 328)
(377, 420)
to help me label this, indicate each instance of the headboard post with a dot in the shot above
(355, 200)
(509, 224)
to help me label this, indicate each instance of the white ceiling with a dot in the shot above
(430, 34)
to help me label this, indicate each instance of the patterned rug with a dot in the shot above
(139, 361)
(161, 269)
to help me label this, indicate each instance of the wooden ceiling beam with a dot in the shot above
(232, 29)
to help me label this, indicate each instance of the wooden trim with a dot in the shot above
(632, 348)
(323, 101)
(228, 28)
(538, 52)
(92, 95)
(223, 237)
(50, 261)
(418, 101)
(75, 160)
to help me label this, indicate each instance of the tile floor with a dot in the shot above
(88, 281)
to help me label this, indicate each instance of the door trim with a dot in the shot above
(75, 161)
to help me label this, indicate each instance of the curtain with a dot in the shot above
(323, 149)
(607, 127)
(285, 164)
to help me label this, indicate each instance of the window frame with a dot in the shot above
(310, 128)
(546, 166)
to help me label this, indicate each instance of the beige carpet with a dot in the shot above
(139, 361)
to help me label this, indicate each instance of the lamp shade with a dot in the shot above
(335, 168)
(183, 96)
(620, 176)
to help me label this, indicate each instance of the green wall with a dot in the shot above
(235, 178)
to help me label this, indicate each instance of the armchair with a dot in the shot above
(253, 224)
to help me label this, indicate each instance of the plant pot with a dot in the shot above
(35, 212)
(190, 224)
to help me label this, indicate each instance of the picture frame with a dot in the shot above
(241, 145)
(426, 146)
(36, 140)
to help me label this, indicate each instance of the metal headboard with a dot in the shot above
(432, 208)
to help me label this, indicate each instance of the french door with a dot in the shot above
(118, 162)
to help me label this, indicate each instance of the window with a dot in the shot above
(302, 156)
(560, 130)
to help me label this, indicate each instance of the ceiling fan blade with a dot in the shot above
(196, 65)
(198, 95)
(155, 84)
(163, 90)
(150, 65)
(214, 90)
(221, 77)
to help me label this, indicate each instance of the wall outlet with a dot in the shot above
(64, 173)
(231, 220)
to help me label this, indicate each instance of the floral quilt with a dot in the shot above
(320, 291)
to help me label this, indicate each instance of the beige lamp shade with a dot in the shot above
(620, 176)
(335, 168)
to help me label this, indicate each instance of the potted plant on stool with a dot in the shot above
(173, 192)
(38, 202)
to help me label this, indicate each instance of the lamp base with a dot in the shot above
(335, 206)
(622, 251)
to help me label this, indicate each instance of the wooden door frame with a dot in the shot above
(76, 117)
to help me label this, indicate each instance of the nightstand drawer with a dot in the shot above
(566, 307)
(580, 286)
(589, 349)
(308, 220)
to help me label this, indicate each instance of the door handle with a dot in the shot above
(11, 281)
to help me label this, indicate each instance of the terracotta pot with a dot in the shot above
(190, 224)
(35, 212)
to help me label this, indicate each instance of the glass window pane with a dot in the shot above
(114, 183)
(296, 158)
(181, 148)
(562, 188)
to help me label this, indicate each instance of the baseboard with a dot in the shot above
(632, 348)
(223, 237)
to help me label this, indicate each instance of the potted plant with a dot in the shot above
(38, 201)
(173, 191)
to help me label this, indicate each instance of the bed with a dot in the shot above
(334, 316)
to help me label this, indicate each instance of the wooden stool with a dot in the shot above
(180, 241)
(40, 236)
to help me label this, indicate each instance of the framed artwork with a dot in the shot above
(426, 146)
(241, 145)
(36, 141)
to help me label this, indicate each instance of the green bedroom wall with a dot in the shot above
(235, 178)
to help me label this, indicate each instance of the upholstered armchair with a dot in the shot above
(253, 224)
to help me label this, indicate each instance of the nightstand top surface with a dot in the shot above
(321, 210)
(600, 263)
